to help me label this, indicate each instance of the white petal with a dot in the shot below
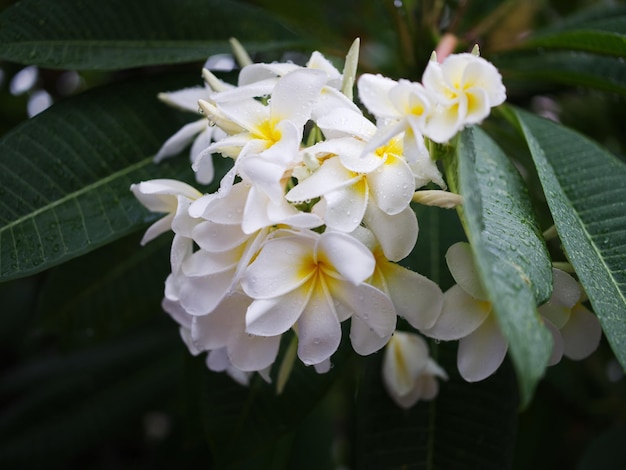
(443, 123)
(369, 304)
(217, 360)
(460, 316)
(364, 340)
(177, 312)
(374, 94)
(223, 207)
(566, 290)
(271, 317)
(581, 334)
(218, 237)
(295, 94)
(182, 223)
(460, 260)
(253, 353)
(264, 175)
(323, 367)
(186, 99)
(345, 207)
(249, 114)
(200, 295)
(319, 332)
(164, 224)
(257, 72)
(332, 175)
(404, 359)
(392, 185)
(203, 167)
(180, 140)
(557, 343)
(213, 331)
(182, 248)
(343, 122)
(556, 314)
(415, 297)
(283, 264)
(160, 195)
(481, 353)
(397, 233)
(353, 260)
(202, 262)
(329, 100)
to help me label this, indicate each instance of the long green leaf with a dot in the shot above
(116, 34)
(600, 42)
(524, 69)
(584, 187)
(65, 174)
(510, 255)
(466, 426)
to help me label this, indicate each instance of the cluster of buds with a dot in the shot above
(309, 224)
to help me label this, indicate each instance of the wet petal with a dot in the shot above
(392, 185)
(460, 260)
(283, 264)
(461, 315)
(415, 297)
(396, 234)
(330, 176)
(345, 207)
(180, 140)
(346, 122)
(186, 99)
(252, 353)
(557, 343)
(200, 295)
(369, 304)
(481, 353)
(319, 332)
(364, 340)
(271, 317)
(566, 290)
(218, 237)
(581, 334)
(374, 94)
(404, 359)
(353, 260)
(295, 94)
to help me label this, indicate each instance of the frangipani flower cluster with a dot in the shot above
(309, 224)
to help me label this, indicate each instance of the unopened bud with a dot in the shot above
(438, 198)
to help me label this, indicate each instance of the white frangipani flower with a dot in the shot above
(465, 88)
(312, 282)
(467, 316)
(277, 126)
(409, 373)
(575, 329)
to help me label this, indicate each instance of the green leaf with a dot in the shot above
(511, 258)
(65, 174)
(584, 187)
(116, 34)
(599, 30)
(77, 303)
(465, 426)
(527, 69)
(599, 42)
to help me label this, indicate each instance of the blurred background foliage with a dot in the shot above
(94, 376)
